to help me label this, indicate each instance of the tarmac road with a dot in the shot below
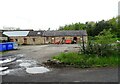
(68, 75)
(45, 52)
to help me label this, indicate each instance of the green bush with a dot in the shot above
(82, 60)
(101, 49)
(102, 45)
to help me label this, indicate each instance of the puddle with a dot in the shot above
(27, 63)
(7, 60)
(3, 68)
(19, 60)
(18, 65)
(31, 67)
(36, 70)
(24, 64)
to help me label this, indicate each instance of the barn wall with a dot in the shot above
(59, 39)
(35, 40)
(46, 40)
(20, 40)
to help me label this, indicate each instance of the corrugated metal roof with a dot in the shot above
(16, 33)
(3, 35)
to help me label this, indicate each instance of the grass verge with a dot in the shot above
(86, 61)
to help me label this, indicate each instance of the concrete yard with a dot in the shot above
(41, 53)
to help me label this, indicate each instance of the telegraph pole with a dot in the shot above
(83, 44)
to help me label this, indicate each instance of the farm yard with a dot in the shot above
(33, 56)
(60, 48)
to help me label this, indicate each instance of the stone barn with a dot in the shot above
(35, 37)
(25, 37)
(47, 37)
(65, 37)
(19, 37)
(3, 37)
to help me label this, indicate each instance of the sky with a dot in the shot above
(44, 14)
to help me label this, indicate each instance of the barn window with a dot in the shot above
(39, 33)
(63, 38)
(16, 40)
(25, 38)
(34, 39)
(11, 40)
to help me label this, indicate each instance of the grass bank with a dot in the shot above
(86, 61)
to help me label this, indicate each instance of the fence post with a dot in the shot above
(83, 44)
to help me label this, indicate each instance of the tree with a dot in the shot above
(95, 28)
(48, 29)
(105, 37)
(77, 26)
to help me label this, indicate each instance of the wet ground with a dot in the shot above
(27, 67)
(67, 75)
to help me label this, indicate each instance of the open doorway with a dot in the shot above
(74, 40)
(25, 41)
(63, 40)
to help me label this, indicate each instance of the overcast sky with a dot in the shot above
(44, 14)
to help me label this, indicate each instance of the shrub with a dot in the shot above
(102, 45)
(101, 49)
(85, 61)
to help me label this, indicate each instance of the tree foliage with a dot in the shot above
(103, 45)
(105, 37)
(95, 28)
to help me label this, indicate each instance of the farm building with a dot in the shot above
(47, 37)
(65, 36)
(3, 37)
(17, 36)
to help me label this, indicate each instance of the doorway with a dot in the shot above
(25, 40)
(74, 40)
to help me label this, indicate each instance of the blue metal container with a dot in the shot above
(3, 46)
(9, 45)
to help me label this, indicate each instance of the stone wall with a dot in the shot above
(59, 39)
(35, 40)
(29, 40)
(45, 40)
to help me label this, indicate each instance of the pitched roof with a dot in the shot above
(3, 35)
(65, 33)
(16, 33)
(35, 33)
(46, 33)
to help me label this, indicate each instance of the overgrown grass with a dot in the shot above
(84, 61)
